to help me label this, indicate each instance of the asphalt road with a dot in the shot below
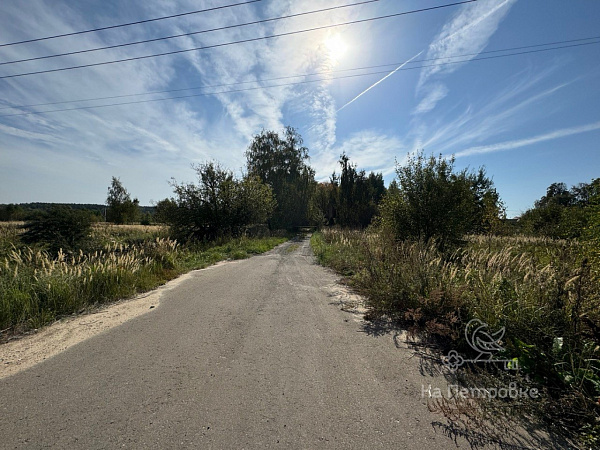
(250, 354)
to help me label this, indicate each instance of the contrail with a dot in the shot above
(387, 76)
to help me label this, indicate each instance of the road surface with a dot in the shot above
(250, 354)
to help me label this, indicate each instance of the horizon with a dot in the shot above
(153, 205)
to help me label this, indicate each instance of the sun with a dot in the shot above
(336, 47)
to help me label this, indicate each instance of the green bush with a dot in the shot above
(120, 208)
(218, 206)
(433, 202)
(59, 228)
(562, 213)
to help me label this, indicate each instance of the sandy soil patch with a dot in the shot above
(347, 300)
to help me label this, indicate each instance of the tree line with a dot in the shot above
(27, 211)
(429, 199)
(564, 213)
(278, 191)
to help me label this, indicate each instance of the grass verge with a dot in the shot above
(541, 291)
(37, 288)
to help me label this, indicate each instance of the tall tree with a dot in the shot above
(556, 194)
(561, 213)
(324, 204)
(282, 163)
(121, 209)
(359, 195)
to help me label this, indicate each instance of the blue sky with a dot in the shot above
(530, 119)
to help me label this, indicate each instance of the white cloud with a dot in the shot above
(512, 107)
(436, 93)
(29, 135)
(370, 150)
(160, 138)
(323, 114)
(468, 33)
(511, 145)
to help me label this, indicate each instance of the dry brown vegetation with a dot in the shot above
(541, 290)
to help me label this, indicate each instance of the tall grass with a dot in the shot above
(541, 290)
(37, 287)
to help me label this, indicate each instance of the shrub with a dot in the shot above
(146, 219)
(562, 213)
(121, 209)
(59, 228)
(434, 202)
(219, 205)
(541, 290)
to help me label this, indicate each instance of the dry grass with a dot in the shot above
(10, 224)
(540, 290)
(106, 226)
(36, 287)
(118, 261)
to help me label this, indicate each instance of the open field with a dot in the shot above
(96, 225)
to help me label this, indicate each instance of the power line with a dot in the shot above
(293, 84)
(145, 41)
(395, 64)
(197, 95)
(74, 33)
(242, 41)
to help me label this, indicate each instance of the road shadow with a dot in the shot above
(472, 424)
(379, 328)
(479, 440)
(465, 424)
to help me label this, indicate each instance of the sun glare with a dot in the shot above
(336, 47)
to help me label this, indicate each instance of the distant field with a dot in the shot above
(17, 223)
(136, 227)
